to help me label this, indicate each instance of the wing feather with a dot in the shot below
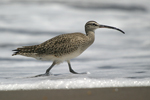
(62, 44)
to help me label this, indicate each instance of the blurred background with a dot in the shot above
(113, 55)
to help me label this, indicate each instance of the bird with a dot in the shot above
(63, 47)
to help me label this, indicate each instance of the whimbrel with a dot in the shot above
(63, 47)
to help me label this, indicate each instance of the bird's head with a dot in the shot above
(93, 25)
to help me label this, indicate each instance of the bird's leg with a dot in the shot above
(70, 69)
(47, 71)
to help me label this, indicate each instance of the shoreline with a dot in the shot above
(112, 93)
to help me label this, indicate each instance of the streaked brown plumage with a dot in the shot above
(63, 47)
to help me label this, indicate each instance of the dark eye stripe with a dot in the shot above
(94, 24)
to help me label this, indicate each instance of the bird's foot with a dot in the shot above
(80, 73)
(46, 74)
(85, 73)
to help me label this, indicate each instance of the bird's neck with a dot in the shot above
(91, 35)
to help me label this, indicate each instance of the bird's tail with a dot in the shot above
(24, 50)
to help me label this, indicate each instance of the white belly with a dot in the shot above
(61, 58)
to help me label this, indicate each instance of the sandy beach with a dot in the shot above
(118, 93)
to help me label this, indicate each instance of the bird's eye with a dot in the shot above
(94, 24)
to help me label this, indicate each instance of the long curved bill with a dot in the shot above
(105, 26)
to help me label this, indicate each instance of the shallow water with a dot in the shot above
(114, 59)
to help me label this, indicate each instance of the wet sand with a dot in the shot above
(118, 93)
